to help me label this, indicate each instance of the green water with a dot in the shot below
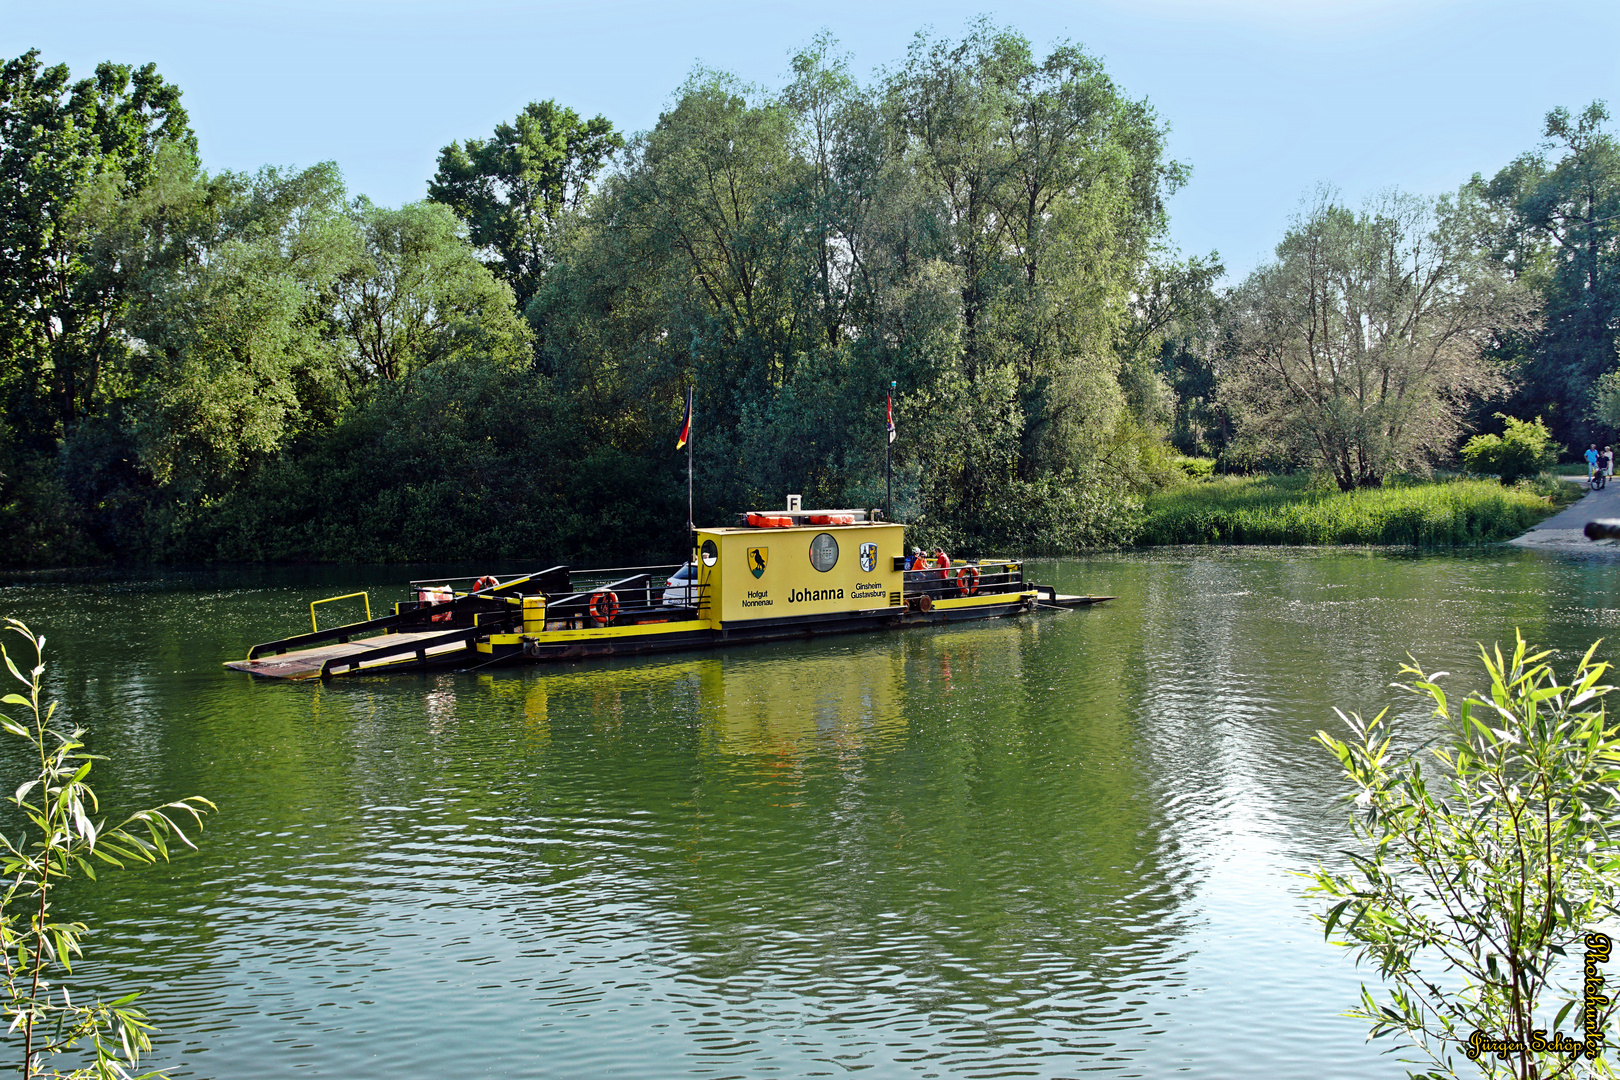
(1048, 846)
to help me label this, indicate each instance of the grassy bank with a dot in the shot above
(1293, 510)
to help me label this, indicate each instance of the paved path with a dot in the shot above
(1562, 531)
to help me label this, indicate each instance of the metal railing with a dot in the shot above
(995, 576)
(315, 627)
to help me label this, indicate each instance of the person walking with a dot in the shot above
(1591, 461)
(1606, 463)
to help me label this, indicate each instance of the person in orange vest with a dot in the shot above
(943, 561)
(918, 560)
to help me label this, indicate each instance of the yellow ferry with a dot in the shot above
(782, 574)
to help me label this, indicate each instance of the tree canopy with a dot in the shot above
(70, 154)
(1556, 228)
(513, 188)
(190, 362)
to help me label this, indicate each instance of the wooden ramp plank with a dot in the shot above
(307, 663)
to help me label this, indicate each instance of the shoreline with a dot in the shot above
(1564, 531)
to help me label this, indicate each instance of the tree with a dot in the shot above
(1180, 309)
(973, 229)
(1605, 407)
(237, 349)
(1477, 884)
(1049, 188)
(58, 839)
(1359, 349)
(67, 152)
(512, 189)
(416, 295)
(1557, 229)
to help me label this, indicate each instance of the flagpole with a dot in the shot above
(691, 529)
(888, 453)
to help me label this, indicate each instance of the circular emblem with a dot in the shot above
(824, 552)
(710, 553)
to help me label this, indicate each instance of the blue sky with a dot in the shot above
(1265, 99)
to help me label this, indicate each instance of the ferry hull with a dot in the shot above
(497, 649)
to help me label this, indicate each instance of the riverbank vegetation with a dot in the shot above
(1301, 509)
(264, 365)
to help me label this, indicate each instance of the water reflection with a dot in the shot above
(1029, 847)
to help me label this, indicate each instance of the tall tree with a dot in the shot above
(1050, 189)
(1360, 347)
(512, 188)
(1557, 229)
(1180, 311)
(417, 295)
(68, 151)
(238, 351)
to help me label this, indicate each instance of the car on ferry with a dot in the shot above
(681, 589)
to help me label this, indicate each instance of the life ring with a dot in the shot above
(967, 580)
(604, 608)
(485, 582)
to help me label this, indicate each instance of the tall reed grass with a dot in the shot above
(1293, 510)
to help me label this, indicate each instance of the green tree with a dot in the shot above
(238, 349)
(1556, 227)
(1360, 348)
(1481, 868)
(512, 188)
(67, 151)
(1605, 403)
(973, 229)
(416, 295)
(1050, 188)
(690, 266)
(1180, 310)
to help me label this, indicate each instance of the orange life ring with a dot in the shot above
(604, 608)
(967, 580)
(485, 582)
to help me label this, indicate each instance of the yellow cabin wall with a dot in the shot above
(731, 592)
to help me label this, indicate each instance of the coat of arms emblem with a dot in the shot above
(756, 560)
(868, 557)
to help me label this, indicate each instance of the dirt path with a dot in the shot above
(1562, 531)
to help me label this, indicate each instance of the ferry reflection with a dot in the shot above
(744, 703)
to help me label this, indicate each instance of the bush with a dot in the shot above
(40, 523)
(1524, 449)
(459, 461)
(1479, 885)
(1196, 468)
(1057, 515)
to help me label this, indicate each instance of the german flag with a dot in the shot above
(686, 424)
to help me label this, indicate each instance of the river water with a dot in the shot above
(1057, 845)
